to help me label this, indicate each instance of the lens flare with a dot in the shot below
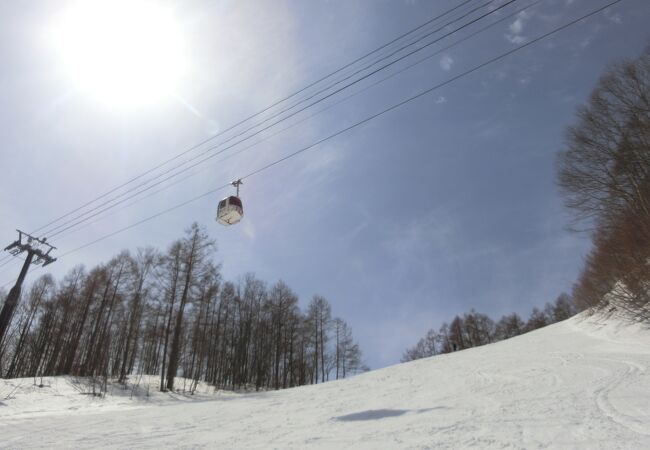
(124, 53)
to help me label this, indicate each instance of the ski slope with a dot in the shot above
(582, 383)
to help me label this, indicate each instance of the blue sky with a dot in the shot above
(446, 204)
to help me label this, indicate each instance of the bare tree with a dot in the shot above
(168, 314)
(427, 346)
(604, 174)
(194, 250)
(509, 326)
(474, 329)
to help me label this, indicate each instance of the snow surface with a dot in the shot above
(582, 383)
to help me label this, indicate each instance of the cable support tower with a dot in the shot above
(38, 253)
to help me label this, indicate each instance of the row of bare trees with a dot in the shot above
(604, 173)
(171, 314)
(474, 329)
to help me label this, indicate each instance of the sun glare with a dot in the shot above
(124, 53)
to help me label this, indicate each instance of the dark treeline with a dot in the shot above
(473, 329)
(171, 314)
(604, 173)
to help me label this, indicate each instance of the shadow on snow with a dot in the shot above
(374, 414)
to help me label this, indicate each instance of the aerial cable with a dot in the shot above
(8, 260)
(393, 74)
(383, 58)
(266, 138)
(276, 103)
(11, 260)
(93, 212)
(413, 40)
(75, 220)
(359, 123)
(463, 74)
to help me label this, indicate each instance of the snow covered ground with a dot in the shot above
(582, 383)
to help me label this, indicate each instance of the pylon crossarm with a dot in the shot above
(49, 261)
(12, 245)
(34, 256)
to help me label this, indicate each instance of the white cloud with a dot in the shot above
(515, 36)
(248, 229)
(614, 18)
(446, 62)
(440, 100)
(517, 26)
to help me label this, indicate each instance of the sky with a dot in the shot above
(445, 204)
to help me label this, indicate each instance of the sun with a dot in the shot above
(126, 53)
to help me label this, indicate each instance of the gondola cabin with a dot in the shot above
(230, 210)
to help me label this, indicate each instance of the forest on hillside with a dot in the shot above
(604, 174)
(171, 314)
(474, 329)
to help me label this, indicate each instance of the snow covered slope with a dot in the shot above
(581, 383)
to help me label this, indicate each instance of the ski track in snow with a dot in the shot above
(582, 383)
